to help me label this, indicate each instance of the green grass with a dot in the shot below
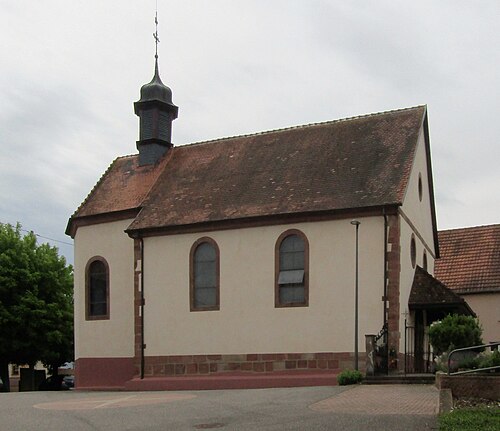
(471, 419)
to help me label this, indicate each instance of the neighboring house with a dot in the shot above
(470, 266)
(238, 254)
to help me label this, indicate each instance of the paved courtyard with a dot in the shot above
(389, 407)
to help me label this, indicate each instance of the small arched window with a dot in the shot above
(292, 270)
(97, 289)
(204, 275)
(424, 261)
(420, 187)
(413, 251)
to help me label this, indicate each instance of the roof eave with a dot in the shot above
(77, 221)
(274, 219)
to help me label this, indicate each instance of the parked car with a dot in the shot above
(69, 381)
(53, 383)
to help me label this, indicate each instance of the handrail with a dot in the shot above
(381, 333)
(463, 349)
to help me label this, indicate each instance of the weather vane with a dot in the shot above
(155, 34)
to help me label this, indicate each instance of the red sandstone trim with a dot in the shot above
(393, 280)
(104, 373)
(234, 381)
(250, 363)
(183, 372)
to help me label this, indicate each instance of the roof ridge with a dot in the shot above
(302, 126)
(470, 227)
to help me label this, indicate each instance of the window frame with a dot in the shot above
(281, 238)
(192, 252)
(89, 316)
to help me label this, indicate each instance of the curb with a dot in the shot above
(445, 401)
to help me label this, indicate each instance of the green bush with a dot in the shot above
(349, 377)
(454, 332)
(470, 362)
(490, 360)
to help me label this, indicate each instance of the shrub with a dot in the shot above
(490, 360)
(454, 332)
(349, 377)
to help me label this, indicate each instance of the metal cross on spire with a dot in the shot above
(155, 34)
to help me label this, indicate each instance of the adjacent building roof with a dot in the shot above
(354, 163)
(429, 293)
(470, 259)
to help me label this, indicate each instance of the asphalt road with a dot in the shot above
(394, 407)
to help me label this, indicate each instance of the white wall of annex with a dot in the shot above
(487, 308)
(248, 321)
(113, 337)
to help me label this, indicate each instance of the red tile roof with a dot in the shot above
(429, 293)
(123, 186)
(353, 163)
(470, 259)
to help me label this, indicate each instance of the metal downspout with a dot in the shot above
(142, 309)
(386, 326)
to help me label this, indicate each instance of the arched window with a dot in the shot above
(424, 261)
(420, 187)
(413, 251)
(204, 275)
(97, 289)
(292, 270)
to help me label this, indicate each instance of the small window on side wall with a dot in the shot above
(420, 187)
(413, 251)
(204, 275)
(97, 289)
(292, 270)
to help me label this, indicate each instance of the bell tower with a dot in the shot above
(156, 112)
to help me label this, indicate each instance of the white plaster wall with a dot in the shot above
(113, 337)
(420, 216)
(248, 321)
(487, 308)
(419, 212)
(408, 272)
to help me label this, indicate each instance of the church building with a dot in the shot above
(250, 261)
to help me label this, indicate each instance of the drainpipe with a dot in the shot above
(386, 326)
(142, 309)
(385, 266)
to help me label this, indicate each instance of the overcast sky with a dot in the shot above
(71, 70)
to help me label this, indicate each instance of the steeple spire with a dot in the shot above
(155, 34)
(156, 112)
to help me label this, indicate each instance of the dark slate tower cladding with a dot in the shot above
(156, 113)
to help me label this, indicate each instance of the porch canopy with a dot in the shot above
(429, 294)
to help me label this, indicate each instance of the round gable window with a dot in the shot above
(420, 187)
(413, 251)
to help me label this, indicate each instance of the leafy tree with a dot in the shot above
(36, 302)
(454, 332)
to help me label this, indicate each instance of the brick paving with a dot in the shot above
(383, 400)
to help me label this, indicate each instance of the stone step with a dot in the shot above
(235, 380)
(398, 379)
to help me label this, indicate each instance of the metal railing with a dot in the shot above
(475, 370)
